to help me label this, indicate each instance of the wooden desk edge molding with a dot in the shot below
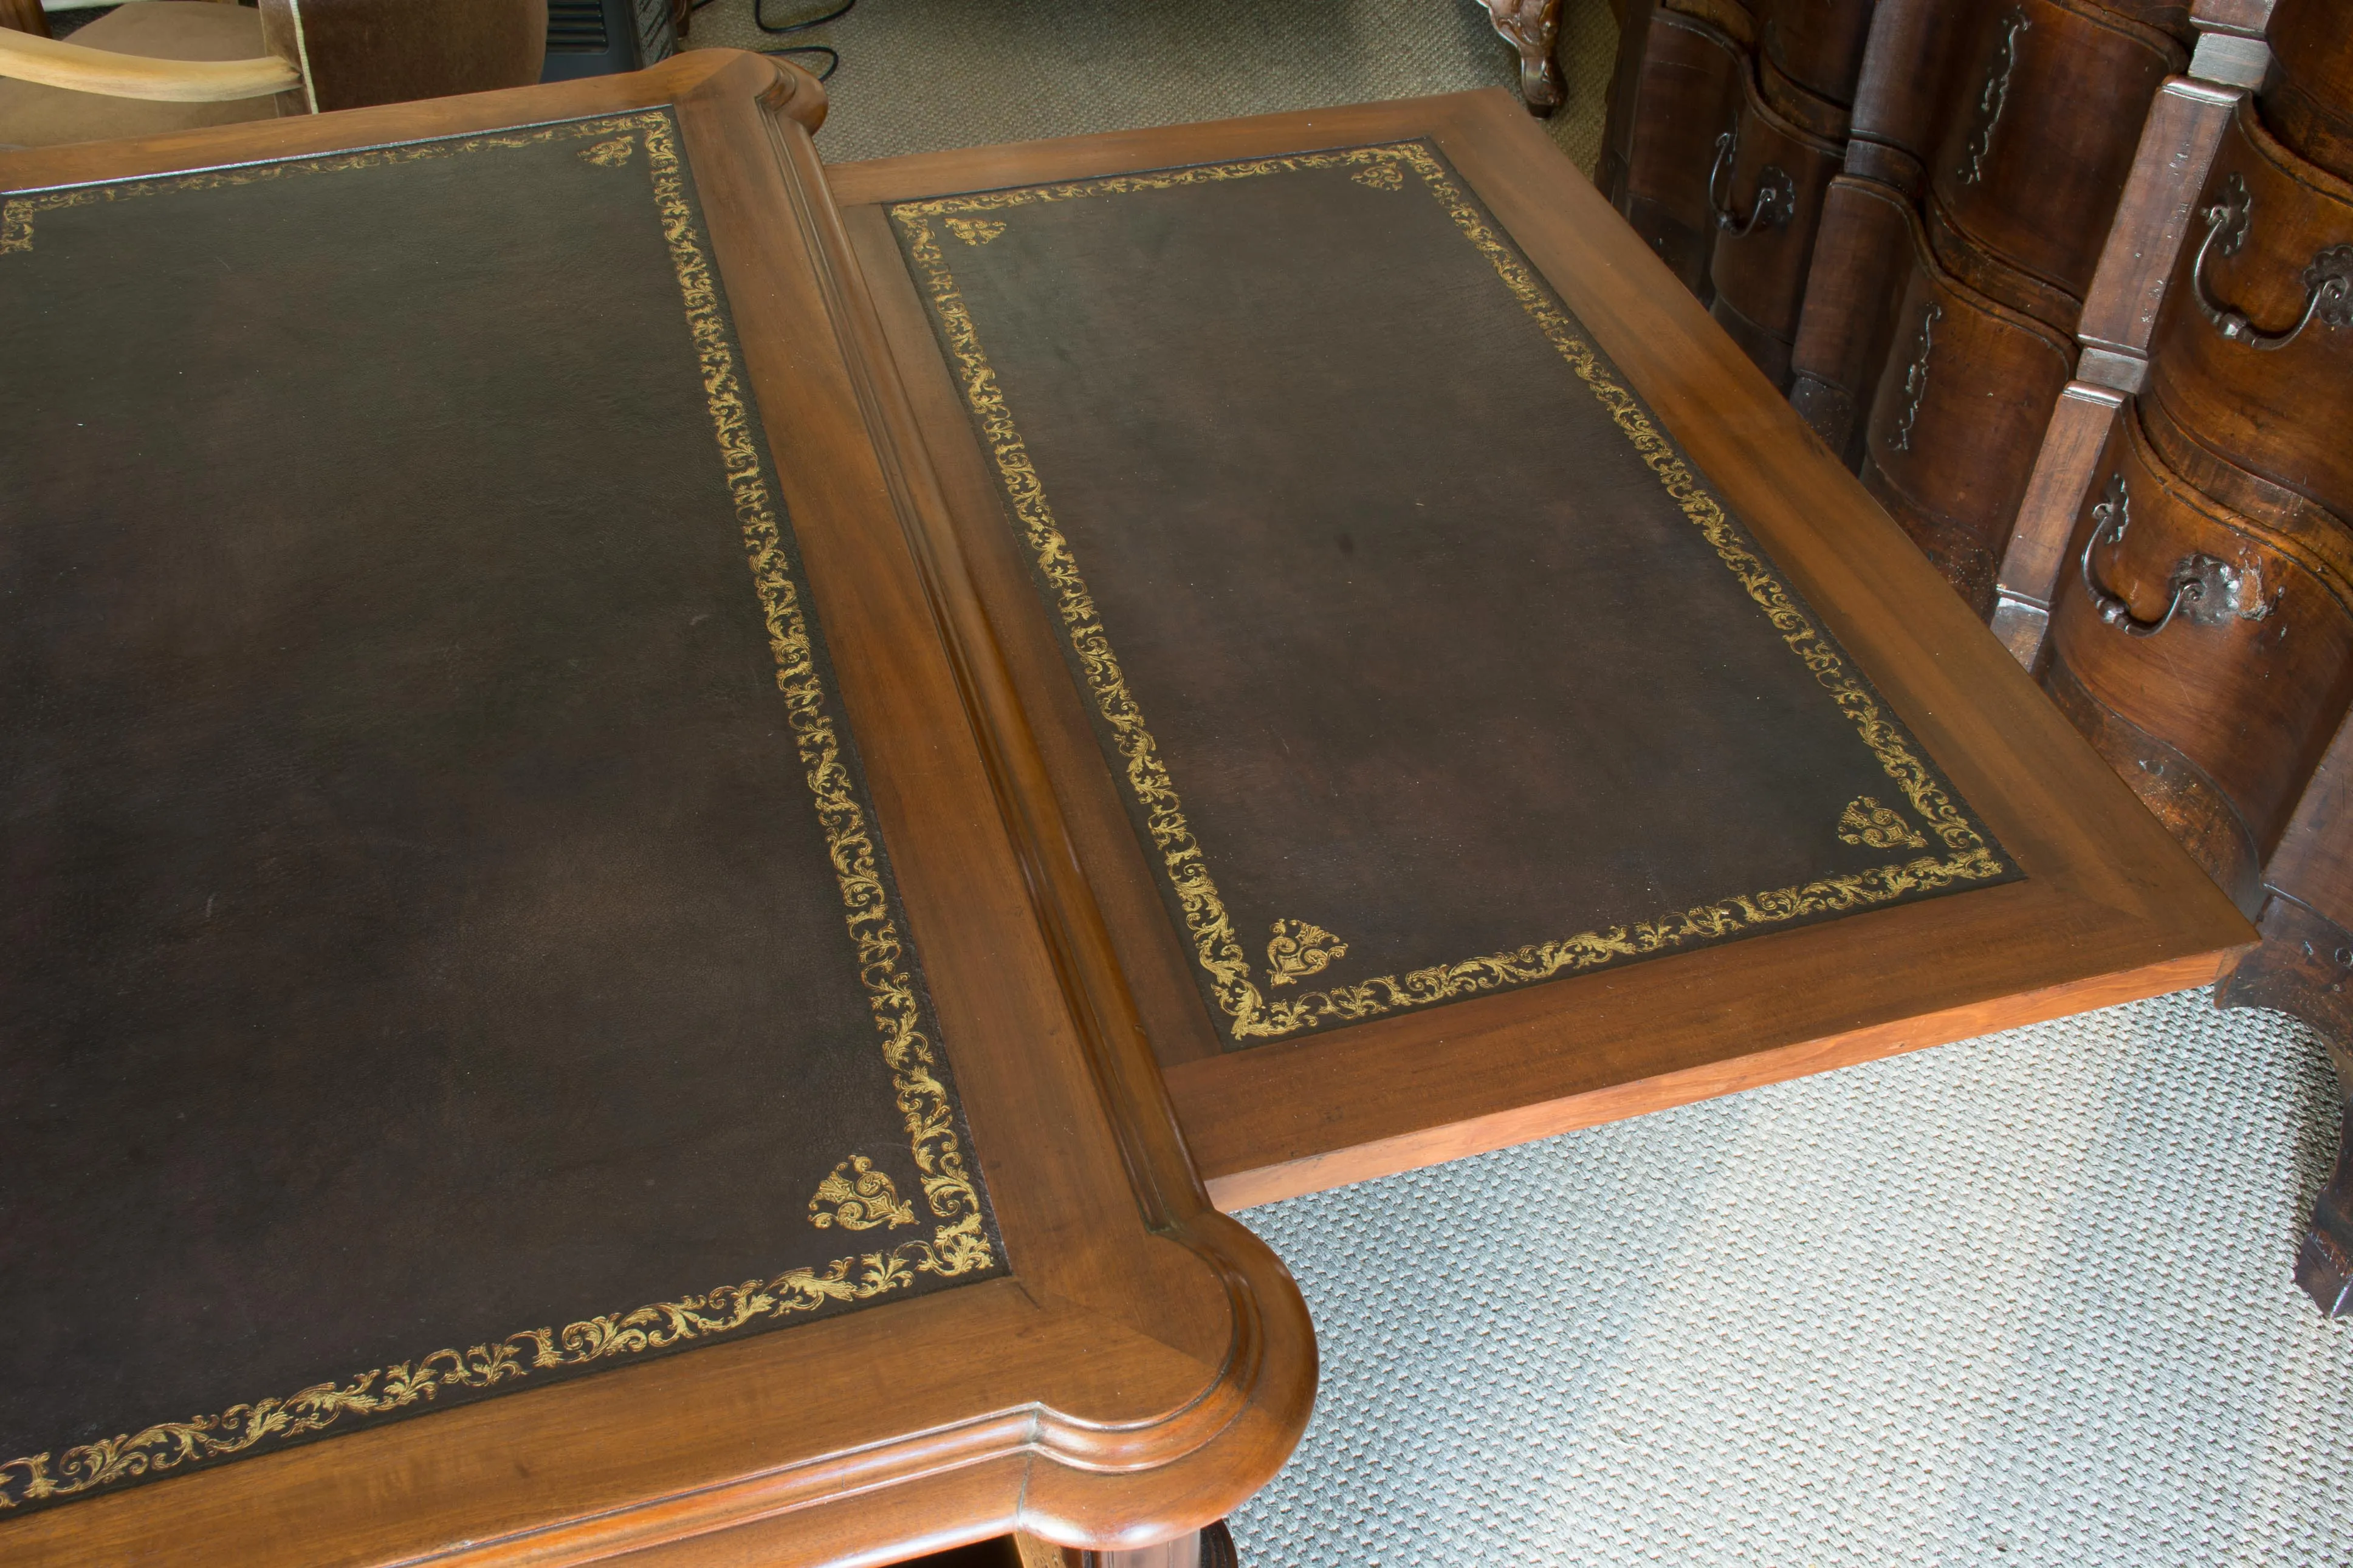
(2109, 908)
(1145, 1365)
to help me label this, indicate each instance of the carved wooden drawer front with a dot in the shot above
(1687, 92)
(2252, 361)
(1817, 46)
(1958, 421)
(2232, 640)
(2035, 155)
(1850, 310)
(1766, 190)
(2310, 105)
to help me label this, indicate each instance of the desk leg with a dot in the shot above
(1210, 1547)
(1532, 26)
(2303, 967)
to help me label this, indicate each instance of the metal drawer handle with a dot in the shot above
(2203, 586)
(2327, 282)
(1776, 194)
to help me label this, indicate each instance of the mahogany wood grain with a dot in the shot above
(2177, 18)
(1847, 322)
(1146, 1365)
(2075, 449)
(1959, 257)
(1817, 48)
(1254, 1178)
(2310, 107)
(2314, 861)
(2155, 215)
(1679, 87)
(2249, 689)
(2303, 967)
(1738, 20)
(1958, 420)
(1910, 79)
(1800, 105)
(2029, 167)
(2176, 790)
(1759, 271)
(2239, 422)
(2110, 908)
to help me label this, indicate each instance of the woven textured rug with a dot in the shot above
(2023, 1299)
(920, 75)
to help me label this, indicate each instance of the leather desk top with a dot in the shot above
(451, 845)
(1430, 664)
(1478, 706)
(522, 1022)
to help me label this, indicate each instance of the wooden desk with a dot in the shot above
(418, 791)
(1470, 1021)
(510, 924)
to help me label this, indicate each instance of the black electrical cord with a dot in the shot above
(832, 56)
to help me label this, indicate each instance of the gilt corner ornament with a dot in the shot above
(1866, 821)
(856, 1197)
(1299, 950)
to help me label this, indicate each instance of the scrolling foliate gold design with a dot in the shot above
(1299, 950)
(1866, 821)
(958, 1244)
(856, 1196)
(974, 231)
(1251, 1016)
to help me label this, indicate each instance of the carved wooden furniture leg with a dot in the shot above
(1532, 26)
(2303, 967)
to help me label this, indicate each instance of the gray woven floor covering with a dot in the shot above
(921, 75)
(2020, 1300)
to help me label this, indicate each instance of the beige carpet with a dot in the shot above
(920, 75)
(2022, 1300)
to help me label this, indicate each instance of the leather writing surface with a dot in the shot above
(1427, 663)
(449, 947)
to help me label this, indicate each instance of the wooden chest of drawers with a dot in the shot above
(2079, 311)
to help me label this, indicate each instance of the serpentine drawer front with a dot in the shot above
(1477, 705)
(523, 1020)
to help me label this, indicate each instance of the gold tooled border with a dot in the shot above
(1250, 1014)
(959, 1243)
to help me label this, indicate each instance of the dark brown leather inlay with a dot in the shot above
(1429, 664)
(429, 926)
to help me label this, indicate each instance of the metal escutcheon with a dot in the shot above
(1775, 199)
(2203, 586)
(2327, 282)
